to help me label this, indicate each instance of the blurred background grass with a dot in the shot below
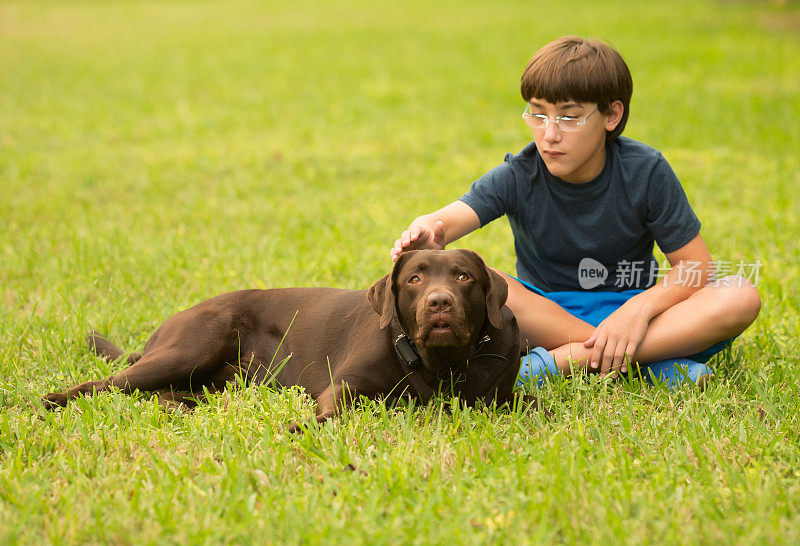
(153, 154)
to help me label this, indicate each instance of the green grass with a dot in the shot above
(154, 154)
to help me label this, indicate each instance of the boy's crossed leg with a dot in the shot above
(719, 311)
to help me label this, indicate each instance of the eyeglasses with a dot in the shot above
(567, 124)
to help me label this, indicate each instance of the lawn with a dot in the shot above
(153, 154)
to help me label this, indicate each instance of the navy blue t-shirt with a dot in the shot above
(598, 235)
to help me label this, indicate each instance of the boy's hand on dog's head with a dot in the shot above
(420, 237)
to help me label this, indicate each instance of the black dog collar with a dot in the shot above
(409, 355)
(407, 351)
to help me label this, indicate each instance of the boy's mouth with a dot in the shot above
(552, 153)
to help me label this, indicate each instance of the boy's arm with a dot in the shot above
(622, 332)
(437, 229)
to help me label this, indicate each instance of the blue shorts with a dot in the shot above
(594, 307)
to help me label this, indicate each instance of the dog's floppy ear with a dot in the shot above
(496, 292)
(381, 295)
(496, 296)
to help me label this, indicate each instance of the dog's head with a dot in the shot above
(441, 298)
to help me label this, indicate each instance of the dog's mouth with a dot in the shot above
(441, 327)
(442, 331)
(438, 329)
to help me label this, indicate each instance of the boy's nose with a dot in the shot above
(552, 133)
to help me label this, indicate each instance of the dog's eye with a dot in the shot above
(463, 277)
(414, 280)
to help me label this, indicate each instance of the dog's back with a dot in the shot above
(314, 328)
(294, 336)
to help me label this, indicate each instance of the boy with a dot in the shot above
(586, 207)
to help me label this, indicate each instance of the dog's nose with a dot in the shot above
(439, 301)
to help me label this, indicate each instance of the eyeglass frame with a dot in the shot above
(556, 120)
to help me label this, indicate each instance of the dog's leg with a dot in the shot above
(329, 404)
(219, 380)
(355, 377)
(159, 369)
(180, 401)
(327, 407)
(59, 399)
(187, 401)
(102, 348)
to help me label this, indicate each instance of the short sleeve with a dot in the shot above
(493, 194)
(670, 217)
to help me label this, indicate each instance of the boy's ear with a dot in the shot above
(615, 117)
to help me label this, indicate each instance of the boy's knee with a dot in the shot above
(741, 302)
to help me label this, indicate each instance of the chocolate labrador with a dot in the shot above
(436, 324)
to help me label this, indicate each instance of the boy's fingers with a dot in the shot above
(410, 235)
(405, 239)
(592, 339)
(439, 236)
(619, 357)
(628, 359)
(606, 360)
(597, 354)
(394, 253)
(609, 358)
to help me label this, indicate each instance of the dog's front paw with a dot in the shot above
(297, 427)
(533, 402)
(174, 406)
(54, 400)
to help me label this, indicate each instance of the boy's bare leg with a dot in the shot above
(542, 322)
(714, 313)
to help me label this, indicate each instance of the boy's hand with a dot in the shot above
(419, 237)
(616, 339)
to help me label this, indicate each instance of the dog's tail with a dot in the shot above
(102, 347)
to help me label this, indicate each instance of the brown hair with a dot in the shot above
(572, 68)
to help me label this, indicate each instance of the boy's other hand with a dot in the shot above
(615, 340)
(419, 237)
